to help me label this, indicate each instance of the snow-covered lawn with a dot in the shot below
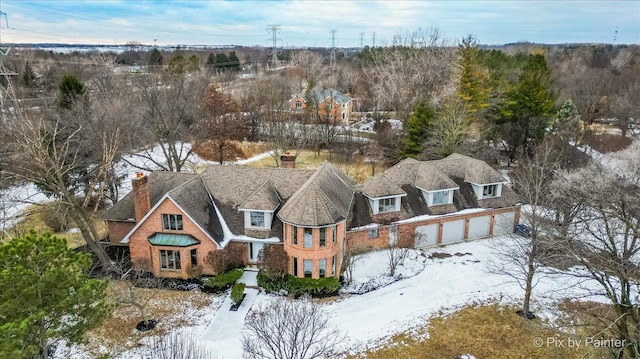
(436, 280)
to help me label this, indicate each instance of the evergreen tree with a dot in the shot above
(234, 61)
(222, 61)
(178, 64)
(473, 87)
(28, 76)
(522, 116)
(566, 123)
(194, 63)
(155, 57)
(70, 90)
(211, 60)
(418, 128)
(46, 295)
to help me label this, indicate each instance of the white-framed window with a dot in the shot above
(333, 265)
(489, 191)
(334, 234)
(308, 268)
(298, 104)
(308, 238)
(294, 235)
(169, 260)
(172, 222)
(322, 266)
(393, 234)
(328, 106)
(387, 205)
(373, 232)
(440, 197)
(257, 219)
(323, 237)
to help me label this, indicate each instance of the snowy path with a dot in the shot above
(250, 278)
(223, 335)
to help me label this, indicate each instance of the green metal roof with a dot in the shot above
(171, 239)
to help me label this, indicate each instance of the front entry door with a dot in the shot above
(254, 250)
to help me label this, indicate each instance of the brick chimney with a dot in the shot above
(287, 161)
(141, 197)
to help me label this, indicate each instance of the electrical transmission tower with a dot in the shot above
(374, 40)
(7, 92)
(332, 59)
(275, 29)
(362, 40)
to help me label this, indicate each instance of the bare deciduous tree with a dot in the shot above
(287, 329)
(604, 239)
(176, 345)
(396, 251)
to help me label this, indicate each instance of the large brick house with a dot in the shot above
(172, 221)
(328, 104)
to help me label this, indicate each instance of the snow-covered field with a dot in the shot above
(437, 280)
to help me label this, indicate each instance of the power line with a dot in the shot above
(274, 50)
(332, 59)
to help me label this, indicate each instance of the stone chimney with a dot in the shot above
(287, 161)
(141, 197)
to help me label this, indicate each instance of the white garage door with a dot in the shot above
(453, 231)
(479, 227)
(504, 223)
(427, 236)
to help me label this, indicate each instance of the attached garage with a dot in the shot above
(453, 231)
(479, 227)
(427, 236)
(504, 223)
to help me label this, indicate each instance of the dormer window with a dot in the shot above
(257, 219)
(490, 191)
(484, 191)
(387, 205)
(439, 197)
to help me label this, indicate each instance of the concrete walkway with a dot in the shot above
(224, 333)
(249, 277)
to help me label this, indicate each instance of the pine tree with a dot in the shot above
(418, 128)
(46, 295)
(234, 61)
(473, 87)
(155, 57)
(28, 76)
(70, 90)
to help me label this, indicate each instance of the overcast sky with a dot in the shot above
(308, 23)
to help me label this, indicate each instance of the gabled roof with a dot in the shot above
(193, 197)
(160, 183)
(325, 198)
(320, 95)
(430, 178)
(265, 198)
(380, 186)
(471, 169)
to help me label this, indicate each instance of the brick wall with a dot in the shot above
(143, 252)
(359, 240)
(315, 253)
(117, 231)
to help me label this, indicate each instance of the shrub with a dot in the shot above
(223, 281)
(273, 261)
(237, 292)
(227, 259)
(317, 288)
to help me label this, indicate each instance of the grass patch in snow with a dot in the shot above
(306, 159)
(487, 331)
(34, 217)
(172, 309)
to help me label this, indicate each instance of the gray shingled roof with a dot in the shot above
(325, 198)
(430, 178)
(265, 198)
(320, 95)
(194, 199)
(471, 169)
(159, 183)
(232, 186)
(380, 186)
